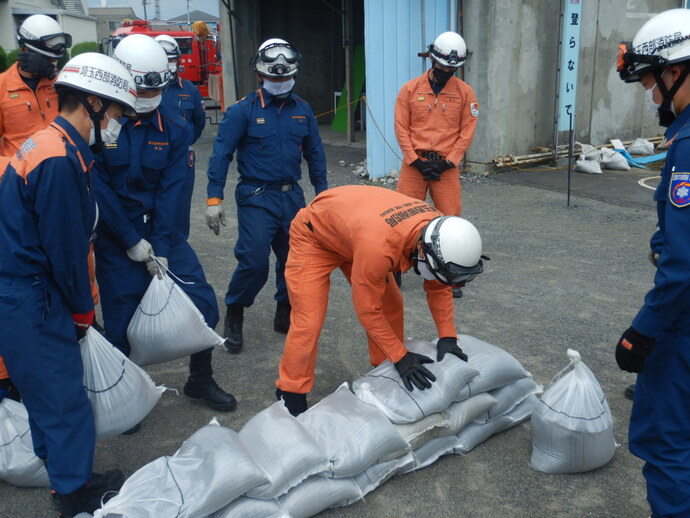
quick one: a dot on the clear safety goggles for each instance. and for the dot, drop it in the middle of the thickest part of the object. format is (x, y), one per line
(630, 64)
(55, 43)
(271, 53)
(453, 274)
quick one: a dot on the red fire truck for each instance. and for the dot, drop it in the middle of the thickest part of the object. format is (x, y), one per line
(200, 59)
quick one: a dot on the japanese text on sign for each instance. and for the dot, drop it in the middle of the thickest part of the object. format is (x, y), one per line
(572, 16)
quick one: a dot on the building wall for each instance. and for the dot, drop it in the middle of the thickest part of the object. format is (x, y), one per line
(107, 16)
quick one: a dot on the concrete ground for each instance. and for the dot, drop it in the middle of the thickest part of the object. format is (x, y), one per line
(559, 277)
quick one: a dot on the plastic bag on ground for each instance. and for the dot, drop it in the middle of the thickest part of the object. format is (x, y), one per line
(317, 494)
(211, 469)
(284, 449)
(121, 392)
(383, 388)
(572, 427)
(611, 159)
(167, 325)
(19, 465)
(496, 366)
(641, 146)
(588, 166)
(245, 507)
(353, 434)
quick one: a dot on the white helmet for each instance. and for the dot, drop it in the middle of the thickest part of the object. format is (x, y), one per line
(662, 41)
(43, 35)
(100, 75)
(453, 249)
(276, 58)
(169, 44)
(146, 61)
(448, 49)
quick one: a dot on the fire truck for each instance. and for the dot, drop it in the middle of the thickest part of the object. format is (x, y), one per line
(200, 60)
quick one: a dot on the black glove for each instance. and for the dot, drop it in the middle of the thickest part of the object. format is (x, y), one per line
(632, 350)
(295, 403)
(412, 371)
(36, 64)
(439, 166)
(426, 168)
(449, 345)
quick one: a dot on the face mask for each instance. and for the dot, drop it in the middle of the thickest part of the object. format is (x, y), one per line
(281, 90)
(147, 104)
(649, 101)
(172, 68)
(423, 270)
(110, 133)
(442, 76)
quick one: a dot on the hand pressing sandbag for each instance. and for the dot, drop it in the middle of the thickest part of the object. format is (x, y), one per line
(383, 387)
(353, 434)
(572, 427)
(19, 465)
(167, 325)
(121, 393)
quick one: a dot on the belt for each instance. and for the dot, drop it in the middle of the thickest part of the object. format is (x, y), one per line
(273, 186)
(431, 155)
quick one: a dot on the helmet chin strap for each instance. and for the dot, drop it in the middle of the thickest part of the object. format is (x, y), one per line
(96, 118)
(666, 115)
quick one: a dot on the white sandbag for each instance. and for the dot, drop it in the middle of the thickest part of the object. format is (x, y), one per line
(477, 432)
(383, 387)
(611, 159)
(496, 366)
(211, 469)
(121, 392)
(422, 431)
(509, 396)
(167, 325)
(589, 152)
(431, 451)
(245, 507)
(641, 146)
(588, 166)
(19, 465)
(353, 434)
(284, 449)
(572, 427)
(379, 473)
(317, 494)
(461, 413)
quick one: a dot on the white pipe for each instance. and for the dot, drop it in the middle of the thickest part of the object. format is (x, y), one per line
(453, 9)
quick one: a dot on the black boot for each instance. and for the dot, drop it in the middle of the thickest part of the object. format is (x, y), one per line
(630, 392)
(89, 497)
(457, 293)
(234, 317)
(11, 389)
(201, 385)
(281, 322)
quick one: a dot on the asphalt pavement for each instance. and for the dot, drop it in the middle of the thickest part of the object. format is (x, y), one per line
(559, 277)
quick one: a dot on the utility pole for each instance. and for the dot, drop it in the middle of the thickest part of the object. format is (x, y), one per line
(145, 3)
(158, 9)
(189, 25)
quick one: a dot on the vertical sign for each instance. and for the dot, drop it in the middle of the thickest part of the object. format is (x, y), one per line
(570, 53)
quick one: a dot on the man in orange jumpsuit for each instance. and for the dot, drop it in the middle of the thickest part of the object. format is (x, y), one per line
(435, 117)
(370, 232)
(28, 103)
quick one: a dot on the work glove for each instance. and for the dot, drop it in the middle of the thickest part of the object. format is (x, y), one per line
(215, 215)
(653, 257)
(295, 403)
(428, 171)
(412, 371)
(439, 166)
(632, 350)
(82, 321)
(36, 64)
(449, 345)
(157, 266)
(141, 252)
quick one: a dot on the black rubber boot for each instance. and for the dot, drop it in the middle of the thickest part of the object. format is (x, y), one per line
(281, 321)
(629, 392)
(234, 317)
(201, 385)
(11, 389)
(457, 293)
(90, 496)
(398, 278)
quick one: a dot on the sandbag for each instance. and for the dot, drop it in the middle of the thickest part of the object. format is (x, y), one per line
(383, 387)
(572, 427)
(317, 494)
(641, 146)
(509, 396)
(19, 465)
(211, 469)
(611, 159)
(588, 166)
(353, 434)
(419, 432)
(167, 325)
(284, 449)
(461, 413)
(245, 507)
(589, 152)
(121, 393)
(496, 366)
(379, 473)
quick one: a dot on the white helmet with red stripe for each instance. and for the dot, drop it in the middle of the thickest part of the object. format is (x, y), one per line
(145, 59)
(43, 35)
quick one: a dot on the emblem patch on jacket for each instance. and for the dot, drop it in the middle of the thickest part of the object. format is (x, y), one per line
(474, 109)
(679, 190)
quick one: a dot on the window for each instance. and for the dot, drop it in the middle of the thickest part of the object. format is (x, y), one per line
(113, 25)
(185, 45)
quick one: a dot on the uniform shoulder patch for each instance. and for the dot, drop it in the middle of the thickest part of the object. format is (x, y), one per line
(474, 109)
(679, 189)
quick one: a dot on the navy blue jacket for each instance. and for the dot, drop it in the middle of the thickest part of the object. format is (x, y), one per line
(183, 97)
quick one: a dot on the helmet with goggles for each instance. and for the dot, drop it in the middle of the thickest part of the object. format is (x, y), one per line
(170, 45)
(662, 41)
(276, 58)
(453, 250)
(448, 49)
(145, 59)
(43, 35)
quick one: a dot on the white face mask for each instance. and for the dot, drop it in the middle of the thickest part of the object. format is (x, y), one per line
(109, 134)
(424, 269)
(279, 88)
(147, 104)
(649, 101)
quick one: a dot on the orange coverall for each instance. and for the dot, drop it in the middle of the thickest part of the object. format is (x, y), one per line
(444, 124)
(367, 232)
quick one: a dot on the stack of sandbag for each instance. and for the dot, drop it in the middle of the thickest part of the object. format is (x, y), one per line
(167, 325)
(641, 146)
(589, 159)
(572, 427)
(19, 465)
(121, 393)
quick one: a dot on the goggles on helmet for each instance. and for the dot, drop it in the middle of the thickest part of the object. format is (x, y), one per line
(629, 61)
(451, 58)
(151, 80)
(55, 43)
(272, 52)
